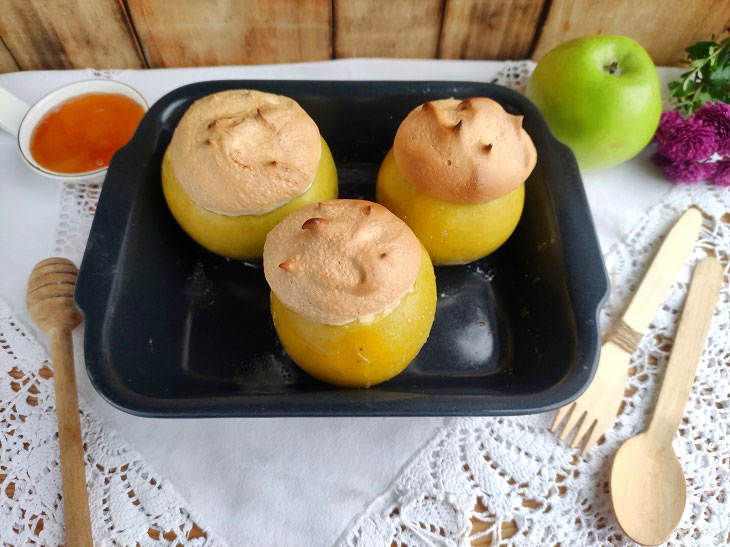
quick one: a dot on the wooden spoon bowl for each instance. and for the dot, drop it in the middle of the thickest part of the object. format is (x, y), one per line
(649, 491)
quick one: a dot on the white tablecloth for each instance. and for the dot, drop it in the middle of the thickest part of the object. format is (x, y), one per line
(269, 481)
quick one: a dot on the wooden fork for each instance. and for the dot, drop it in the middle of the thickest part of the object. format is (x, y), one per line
(594, 411)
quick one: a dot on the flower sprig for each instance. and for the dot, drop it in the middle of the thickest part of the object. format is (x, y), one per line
(708, 78)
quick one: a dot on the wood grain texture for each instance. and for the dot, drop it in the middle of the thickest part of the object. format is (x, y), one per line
(663, 271)
(7, 63)
(387, 28)
(67, 34)
(647, 484)
(489, 29)
(222, 32)
(73, 476)
(689, 344)
(663, 28)
(50, 304)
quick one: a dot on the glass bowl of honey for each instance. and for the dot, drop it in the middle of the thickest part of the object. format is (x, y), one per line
(73, 132)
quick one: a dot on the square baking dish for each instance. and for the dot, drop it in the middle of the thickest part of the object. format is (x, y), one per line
(172, 330)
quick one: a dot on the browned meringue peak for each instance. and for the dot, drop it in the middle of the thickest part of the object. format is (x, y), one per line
(341, 260)
(243, 151)
(464, 151)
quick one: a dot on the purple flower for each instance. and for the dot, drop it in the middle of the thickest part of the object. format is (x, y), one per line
(679, 139)
(670, 117)
(722, 173)
(717, 116)
(684, 171)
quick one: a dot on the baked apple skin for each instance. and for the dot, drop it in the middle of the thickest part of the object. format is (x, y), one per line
(241, 237)
(453, 233)
(361, 353)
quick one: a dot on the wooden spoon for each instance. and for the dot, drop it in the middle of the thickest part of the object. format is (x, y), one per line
(648, 491)
(50, 300)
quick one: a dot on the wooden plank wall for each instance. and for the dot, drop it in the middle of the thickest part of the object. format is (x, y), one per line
(50, 34)
(475, 29)
(387, 29)
(225, 32)
(663, 27)
(68, 34)
(7, 63)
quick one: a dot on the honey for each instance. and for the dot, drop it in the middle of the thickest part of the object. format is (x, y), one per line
(82, 134)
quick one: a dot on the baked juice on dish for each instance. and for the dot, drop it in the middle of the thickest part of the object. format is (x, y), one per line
(240, 161)
(456, 176)
(353, 293)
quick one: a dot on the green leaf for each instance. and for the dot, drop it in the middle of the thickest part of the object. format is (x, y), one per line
(702, 97)
(723, 57)
(704, 73)
(722, 73)
(700, 49)
(709, 78)
(714, 61)
(688, 86)
(719, 87)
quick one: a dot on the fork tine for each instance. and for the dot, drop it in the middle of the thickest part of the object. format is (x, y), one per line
(559, 415)
(585, 429)
(574, 420)
(598, 429)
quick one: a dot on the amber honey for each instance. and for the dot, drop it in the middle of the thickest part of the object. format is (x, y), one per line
(82, 134)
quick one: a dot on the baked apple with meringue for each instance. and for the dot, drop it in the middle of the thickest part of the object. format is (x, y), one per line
(353, 292)
(456, 174)
(239, 161)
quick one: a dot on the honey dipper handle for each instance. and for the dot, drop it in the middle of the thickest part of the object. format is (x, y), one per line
(73, 476)
(689, 342)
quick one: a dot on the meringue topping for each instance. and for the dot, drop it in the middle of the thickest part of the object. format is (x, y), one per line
(242, 151)
(464, 151)
(341, 260)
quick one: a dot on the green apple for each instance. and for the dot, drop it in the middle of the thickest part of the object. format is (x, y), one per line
(600, 96)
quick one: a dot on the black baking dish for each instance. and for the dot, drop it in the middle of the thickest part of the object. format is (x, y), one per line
(172, 330)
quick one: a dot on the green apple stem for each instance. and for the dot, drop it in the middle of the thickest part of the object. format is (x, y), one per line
(612, 68)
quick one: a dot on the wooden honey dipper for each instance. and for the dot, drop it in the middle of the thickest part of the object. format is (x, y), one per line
(50, 300)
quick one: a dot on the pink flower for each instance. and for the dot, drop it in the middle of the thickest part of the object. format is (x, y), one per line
(684, 171)
(679, 139)
(721, 177)
(717, 116)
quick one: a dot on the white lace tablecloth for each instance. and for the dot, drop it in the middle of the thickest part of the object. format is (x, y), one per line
(361, 482)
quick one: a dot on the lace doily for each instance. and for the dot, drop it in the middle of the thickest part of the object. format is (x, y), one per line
(76, 208)
(514, 75)
(511, 482)
(130, 505)
(106, 74)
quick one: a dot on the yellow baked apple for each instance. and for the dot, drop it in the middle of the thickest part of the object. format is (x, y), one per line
(241, 236)
(239, 161)
(453, 233)
(353, 292)
(456, 174)
(361, 353)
